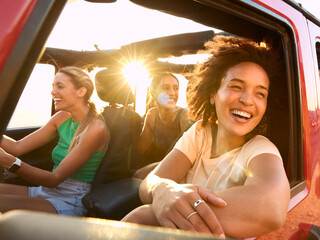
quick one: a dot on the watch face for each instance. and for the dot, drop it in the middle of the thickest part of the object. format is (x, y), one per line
(13, 168)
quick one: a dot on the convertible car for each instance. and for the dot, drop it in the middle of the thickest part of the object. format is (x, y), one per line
(28, 64)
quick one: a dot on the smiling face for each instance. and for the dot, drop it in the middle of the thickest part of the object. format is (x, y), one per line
(64, 93)
(241, 100)
(167, 92)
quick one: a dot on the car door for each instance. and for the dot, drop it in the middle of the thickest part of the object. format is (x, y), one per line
(24, 28)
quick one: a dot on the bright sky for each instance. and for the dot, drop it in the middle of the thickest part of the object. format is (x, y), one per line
(83, 24)
(313, 6)
(111, 25)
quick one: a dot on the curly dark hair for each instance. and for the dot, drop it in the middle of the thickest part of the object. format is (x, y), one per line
(226, 52)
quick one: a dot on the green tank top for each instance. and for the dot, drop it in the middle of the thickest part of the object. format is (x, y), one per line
(66, 131)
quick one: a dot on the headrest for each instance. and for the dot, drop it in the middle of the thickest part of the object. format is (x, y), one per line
(112, 87)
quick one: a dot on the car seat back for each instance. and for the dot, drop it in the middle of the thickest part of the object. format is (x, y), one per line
(124, 125)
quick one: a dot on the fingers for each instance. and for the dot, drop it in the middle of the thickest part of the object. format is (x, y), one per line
(205, 212)
(177, 221)
(202, 221)
(198, 223)
(187, 208)
(210, 197)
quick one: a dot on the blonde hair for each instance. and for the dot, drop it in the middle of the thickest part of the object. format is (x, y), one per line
(79, 79)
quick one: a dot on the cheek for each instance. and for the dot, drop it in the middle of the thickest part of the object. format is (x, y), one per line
(262, 107)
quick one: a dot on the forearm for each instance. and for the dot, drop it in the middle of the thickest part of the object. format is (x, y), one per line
(251, 211)
(32, 174)
(152, 184)
(38, 176)
(10, 145)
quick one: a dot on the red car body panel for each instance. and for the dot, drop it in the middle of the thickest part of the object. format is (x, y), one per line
(304, 207)
(13, 17)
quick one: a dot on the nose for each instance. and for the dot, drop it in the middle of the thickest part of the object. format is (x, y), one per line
(171, 91)
(246, 98)
(53, 91)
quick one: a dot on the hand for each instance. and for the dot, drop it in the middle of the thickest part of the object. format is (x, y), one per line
(5, 159)
(173, 206)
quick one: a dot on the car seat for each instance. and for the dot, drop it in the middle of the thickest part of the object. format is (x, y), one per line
(113, 192)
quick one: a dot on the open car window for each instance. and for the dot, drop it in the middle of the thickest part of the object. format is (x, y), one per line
(83, 38)
(175, 52)
(34, 106)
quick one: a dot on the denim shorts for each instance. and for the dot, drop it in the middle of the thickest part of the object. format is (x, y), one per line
(66, 197)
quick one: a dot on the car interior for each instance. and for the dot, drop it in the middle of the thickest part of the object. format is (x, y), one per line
(113, 180)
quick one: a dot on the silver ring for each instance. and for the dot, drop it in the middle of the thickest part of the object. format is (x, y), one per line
(197, 203)
(191, 215)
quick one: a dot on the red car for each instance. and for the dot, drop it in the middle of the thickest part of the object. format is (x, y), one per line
(25, 25)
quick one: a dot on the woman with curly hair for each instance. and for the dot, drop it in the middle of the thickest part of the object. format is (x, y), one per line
(223, 176)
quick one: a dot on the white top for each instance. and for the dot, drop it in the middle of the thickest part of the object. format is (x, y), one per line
(225, 171)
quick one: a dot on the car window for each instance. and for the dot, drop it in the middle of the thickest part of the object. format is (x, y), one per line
(34, 106)
(74, 41)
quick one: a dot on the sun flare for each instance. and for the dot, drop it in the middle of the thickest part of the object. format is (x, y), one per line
(138, 78)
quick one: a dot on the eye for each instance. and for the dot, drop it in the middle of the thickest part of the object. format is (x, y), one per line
(165, 88)
(261, 94)
(235, 86)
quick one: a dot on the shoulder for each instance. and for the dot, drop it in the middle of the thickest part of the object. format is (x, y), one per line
(185, 121)
(259, 145)
(197, 132)
(97, 126)
(195, 140)
(151, 116)
(184, 113)
(152, 111)
(59, 117)
(259, 140)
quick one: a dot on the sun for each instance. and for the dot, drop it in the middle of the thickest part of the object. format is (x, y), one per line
(138, 78)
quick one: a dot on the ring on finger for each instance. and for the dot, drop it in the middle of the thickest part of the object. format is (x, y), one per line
(197, 203)
(189, 216)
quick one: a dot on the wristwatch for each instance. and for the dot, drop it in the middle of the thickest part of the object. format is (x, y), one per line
(15, 166)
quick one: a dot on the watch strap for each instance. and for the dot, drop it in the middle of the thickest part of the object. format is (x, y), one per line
(15, 166)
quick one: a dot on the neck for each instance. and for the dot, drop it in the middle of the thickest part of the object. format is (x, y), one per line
(79, 114)
(224, 143)
(167, 114)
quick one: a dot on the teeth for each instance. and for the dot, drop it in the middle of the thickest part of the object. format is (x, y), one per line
(57, 99)
(241, 114)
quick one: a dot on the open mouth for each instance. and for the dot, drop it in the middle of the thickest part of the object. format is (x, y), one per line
(241, 114)
(57, 100)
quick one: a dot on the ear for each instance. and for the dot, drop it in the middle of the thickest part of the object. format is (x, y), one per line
(212, 98)
(82, 91)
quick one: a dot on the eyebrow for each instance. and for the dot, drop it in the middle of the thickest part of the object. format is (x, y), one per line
(241, 81)
(56, 83)
(168, 85)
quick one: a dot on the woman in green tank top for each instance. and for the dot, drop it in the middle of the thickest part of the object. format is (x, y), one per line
(83, 140)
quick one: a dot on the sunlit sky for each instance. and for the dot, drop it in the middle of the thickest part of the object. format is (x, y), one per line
(313, 6)
(112, 25)
(83, 24)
